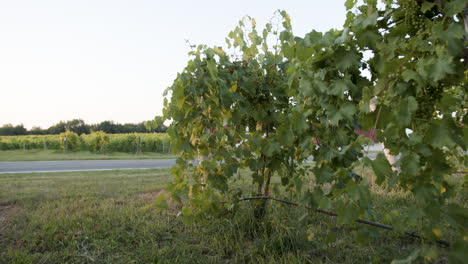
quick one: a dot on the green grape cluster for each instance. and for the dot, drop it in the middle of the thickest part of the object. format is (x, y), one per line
(413, 19)
(425, 107)
(427, 102)
(435, 93)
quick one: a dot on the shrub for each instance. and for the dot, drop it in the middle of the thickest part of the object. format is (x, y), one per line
(99, 142)
(69, 141)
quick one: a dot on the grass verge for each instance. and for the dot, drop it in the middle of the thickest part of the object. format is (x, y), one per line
(43, 155)
(99, 217)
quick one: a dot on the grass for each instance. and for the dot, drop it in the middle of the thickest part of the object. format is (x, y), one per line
(37, 155)
(99, 217)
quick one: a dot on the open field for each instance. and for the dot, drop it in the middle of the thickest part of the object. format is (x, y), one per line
(100, 217)
(37, 154)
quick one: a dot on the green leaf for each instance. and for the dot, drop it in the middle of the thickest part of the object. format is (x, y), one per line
(409, 75)
(339, 87)
(305, 87)
(382, 168)
(323, 174)
(325, 203)
(459, 252)
(347, 212)
(406, 109)
(211, 65)
(344, 112)
(458, 216)
(440, 68)
(410, 163)
(346, 59)
(455, 7)
(425, 192)
(187, 216)
(368, 38)
(350, 4)
(427, 6)
(353, 190)
(414, 139)
(285, 136)
(438, 135)
(453, 35)
(299, 122)
(303, 52)
(219, 182)
(270, 148)
(370, 20)
(298, 183)
(312, 38)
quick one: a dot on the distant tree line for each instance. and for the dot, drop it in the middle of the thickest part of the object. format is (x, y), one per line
(80, 127)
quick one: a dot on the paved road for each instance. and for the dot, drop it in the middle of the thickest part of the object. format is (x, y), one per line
(89, 165)
(95, 165)
(82, 165)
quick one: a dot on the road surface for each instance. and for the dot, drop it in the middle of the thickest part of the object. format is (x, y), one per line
(96, 165)
(82, 165)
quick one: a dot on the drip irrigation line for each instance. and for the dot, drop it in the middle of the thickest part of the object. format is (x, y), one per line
(359, 220)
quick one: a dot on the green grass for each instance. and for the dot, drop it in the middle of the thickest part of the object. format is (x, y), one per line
(36, 155)
(100, 217)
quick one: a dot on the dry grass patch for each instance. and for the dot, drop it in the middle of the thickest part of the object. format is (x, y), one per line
(6, 211)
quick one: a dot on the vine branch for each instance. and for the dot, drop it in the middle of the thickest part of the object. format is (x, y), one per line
(359, 220)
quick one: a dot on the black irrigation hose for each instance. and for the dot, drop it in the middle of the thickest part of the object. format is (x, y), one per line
(363, 221)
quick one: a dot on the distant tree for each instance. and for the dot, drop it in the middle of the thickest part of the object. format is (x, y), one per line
(36, 130)
(6, 130)
(106, 126)
(58, 128)
(78, 126)
(141, 128)
(10, 130)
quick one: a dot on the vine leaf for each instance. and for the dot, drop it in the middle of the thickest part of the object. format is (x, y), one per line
(344, 112)
(381, 167)
(350, 4)
(346, 59)
(440, 68)
(323, 174)
(410, 163)
(439, 135)
(406, 109)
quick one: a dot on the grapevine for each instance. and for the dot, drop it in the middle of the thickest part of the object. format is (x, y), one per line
(270, 107)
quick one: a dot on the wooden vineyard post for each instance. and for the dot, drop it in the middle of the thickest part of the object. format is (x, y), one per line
(65, 147)
(138, 150)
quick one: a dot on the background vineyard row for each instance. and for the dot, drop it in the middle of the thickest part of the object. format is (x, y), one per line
(154, 142)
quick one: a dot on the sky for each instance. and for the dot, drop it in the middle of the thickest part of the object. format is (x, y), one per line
(112, 60)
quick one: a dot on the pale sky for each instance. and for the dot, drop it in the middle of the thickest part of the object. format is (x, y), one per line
(112, 60)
